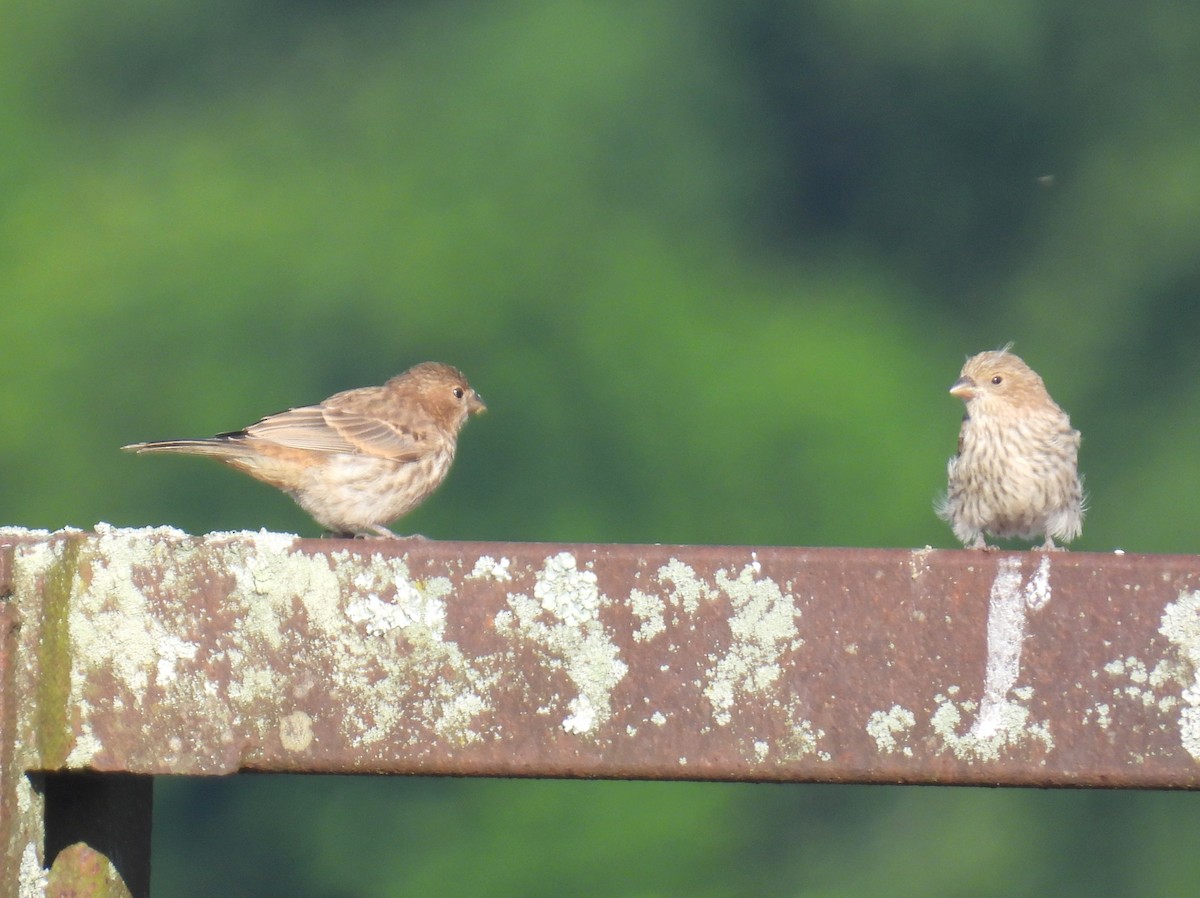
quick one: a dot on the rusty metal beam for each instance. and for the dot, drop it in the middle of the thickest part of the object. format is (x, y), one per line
(151, 651)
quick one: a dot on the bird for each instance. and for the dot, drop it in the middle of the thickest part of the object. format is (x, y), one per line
(361, 458)
(1016, 472)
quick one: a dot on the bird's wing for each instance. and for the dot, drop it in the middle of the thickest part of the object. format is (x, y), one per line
(322, 429)
(378, 436)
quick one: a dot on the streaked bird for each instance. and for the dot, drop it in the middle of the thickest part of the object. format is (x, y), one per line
(359, 459)
(1015, 474)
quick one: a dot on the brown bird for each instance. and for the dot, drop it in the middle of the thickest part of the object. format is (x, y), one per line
(359, 459)
(1015, 473)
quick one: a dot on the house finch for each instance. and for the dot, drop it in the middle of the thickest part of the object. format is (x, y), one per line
(1015, 471)
(359, 459)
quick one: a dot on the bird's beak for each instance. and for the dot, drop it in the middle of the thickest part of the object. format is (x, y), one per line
(476, 405)
(963, 388)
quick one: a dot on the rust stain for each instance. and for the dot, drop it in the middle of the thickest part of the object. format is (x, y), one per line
(226, 652)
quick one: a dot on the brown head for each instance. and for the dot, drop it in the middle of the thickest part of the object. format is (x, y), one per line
(998, 378)
(441, 390)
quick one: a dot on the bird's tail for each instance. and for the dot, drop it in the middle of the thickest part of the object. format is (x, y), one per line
(222, 446)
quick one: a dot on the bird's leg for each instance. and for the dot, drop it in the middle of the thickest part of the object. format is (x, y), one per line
(980, 544)
(1048, 546)
(382, 532)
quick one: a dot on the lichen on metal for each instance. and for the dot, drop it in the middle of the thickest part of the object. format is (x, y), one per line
(32, 878)
(563, 621)
(762, 624)
(153, 651)
(889, 727)
(1181, 626)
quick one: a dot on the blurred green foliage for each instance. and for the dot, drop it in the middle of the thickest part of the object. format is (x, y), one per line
(712, 265)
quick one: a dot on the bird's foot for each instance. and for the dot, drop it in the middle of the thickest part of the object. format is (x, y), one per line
(382, 532)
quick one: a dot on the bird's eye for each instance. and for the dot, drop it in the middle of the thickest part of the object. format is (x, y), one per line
(997, 380)
(458, 392)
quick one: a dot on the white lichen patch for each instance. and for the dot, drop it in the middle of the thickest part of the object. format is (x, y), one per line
(265, 540)
(886, 726)
(1181, 625)
(762, 627)
(649, 610)
(270, 581)
(163, 532)
(488, 568)
(379, 616)
(1004, 725)
(1144, 686)
(408, 604)
(803, 740)
(296, 731)
(455, 712)
(563, 620)
(688, 590)
(1172, 685)
(9, 532)
(582, 717)
(32, 880)
(28, 799)
(1100, 714)
(456, 689)
(171, 651)
(568, 593)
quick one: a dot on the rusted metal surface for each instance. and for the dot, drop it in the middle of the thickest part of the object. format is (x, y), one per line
(80, 871)
(259, 651)
(20, 807)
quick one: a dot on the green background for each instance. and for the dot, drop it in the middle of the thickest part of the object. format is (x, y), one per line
(713, 267)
